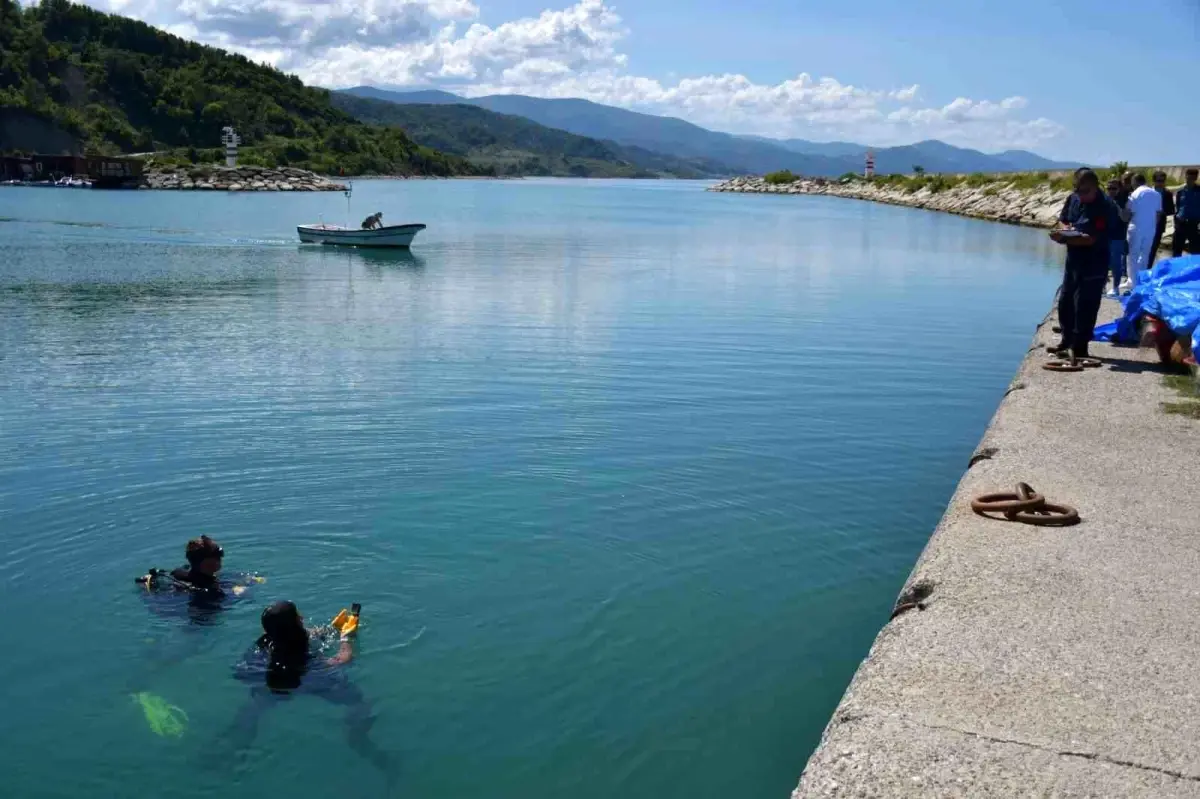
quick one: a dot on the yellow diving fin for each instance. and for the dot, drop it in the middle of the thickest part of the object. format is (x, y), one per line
(164, 718)
(346, 622)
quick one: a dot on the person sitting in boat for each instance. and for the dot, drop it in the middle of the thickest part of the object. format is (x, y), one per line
(373, 221)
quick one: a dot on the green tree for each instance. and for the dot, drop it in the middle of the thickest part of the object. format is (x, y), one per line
(120, 85)
(781, 177)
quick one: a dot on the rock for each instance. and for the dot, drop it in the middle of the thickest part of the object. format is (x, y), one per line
(1037, 207)
(244, 178)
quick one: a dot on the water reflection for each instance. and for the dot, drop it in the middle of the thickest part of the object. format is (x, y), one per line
(367, 256)
(85, 299)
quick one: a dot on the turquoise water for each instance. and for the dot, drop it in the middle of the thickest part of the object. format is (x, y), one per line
(625, 474)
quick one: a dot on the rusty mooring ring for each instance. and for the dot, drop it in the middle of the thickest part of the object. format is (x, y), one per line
(1026, 506)
(1007, 502)
(1048, 515)
(1062, 366)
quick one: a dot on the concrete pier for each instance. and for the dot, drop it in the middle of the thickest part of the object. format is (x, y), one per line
(1049, 662)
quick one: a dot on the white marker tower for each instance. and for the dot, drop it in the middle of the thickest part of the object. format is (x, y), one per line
(231, 141)
(869, 171)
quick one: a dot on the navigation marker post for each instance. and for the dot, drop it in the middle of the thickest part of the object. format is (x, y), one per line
(231, 140)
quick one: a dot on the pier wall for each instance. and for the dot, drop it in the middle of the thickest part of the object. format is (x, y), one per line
(1045, 661)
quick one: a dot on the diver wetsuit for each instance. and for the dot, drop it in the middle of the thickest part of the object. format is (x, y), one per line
(188, 596)
(206, 594)
(310, 672)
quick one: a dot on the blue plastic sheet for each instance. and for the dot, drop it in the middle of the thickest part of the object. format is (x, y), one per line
(1172, 293)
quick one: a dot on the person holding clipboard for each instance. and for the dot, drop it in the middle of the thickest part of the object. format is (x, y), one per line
(1085, 228)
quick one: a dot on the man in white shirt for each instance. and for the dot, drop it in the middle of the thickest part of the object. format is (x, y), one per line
(1144, 206)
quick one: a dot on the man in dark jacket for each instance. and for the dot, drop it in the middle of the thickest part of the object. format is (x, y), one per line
(1087, 228)
(1168, 210)
(1187, 216)
(1117, 247)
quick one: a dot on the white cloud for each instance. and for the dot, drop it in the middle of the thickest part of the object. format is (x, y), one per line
(295, 27)
(977, 120)
(568, 52)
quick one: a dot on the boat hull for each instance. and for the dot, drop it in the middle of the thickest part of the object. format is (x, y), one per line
(389, 236)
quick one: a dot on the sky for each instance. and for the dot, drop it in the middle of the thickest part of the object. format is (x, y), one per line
(1091, 80)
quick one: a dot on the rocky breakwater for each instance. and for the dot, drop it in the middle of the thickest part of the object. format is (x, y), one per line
(241, 178)
(1038, 207)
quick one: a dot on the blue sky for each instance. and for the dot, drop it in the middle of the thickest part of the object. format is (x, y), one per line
(1066, 78)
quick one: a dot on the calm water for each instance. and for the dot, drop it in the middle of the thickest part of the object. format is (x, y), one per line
(626, 474)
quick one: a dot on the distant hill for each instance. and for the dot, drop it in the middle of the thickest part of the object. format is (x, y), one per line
(741, 153)
(932, 155)
(513, 145)
(420, 97)
(72, 78)
(1025, 160)
(658, 134)
(831, 149)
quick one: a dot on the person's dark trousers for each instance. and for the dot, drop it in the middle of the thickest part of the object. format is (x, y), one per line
(1078, 307)
(1158, 234)
(1187, 233)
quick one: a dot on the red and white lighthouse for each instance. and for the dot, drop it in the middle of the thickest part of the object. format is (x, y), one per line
(869, 171)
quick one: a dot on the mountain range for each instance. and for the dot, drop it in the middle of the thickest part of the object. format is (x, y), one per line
(73, 79)
(513, 145)
(724, 152)
(933, 155)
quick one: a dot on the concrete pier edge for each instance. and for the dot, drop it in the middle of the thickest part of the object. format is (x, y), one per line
(1044, 661)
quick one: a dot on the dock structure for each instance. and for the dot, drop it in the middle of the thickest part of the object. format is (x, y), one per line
(104, 171)
(1045, 661)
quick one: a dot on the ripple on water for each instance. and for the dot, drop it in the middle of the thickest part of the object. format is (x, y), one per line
(624, 476)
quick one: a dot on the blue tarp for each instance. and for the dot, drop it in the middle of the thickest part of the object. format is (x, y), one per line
(1170, 291)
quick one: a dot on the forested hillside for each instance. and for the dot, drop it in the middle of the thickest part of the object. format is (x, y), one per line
(513, 145)
(117, 85)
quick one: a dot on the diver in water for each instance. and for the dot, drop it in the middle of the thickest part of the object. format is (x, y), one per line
(287, 660)
(200, 580)
(194, 594)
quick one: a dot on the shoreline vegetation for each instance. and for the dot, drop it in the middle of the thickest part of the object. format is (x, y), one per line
(80, 81)
(73, 79)
(1032, 199)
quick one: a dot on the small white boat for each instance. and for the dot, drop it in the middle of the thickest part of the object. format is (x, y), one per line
(387, 236)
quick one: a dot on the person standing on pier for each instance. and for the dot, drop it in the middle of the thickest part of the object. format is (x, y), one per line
(1145, 204)
(1087, 230)
(1187, 216)
(1118, 248)
(1168, 209)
